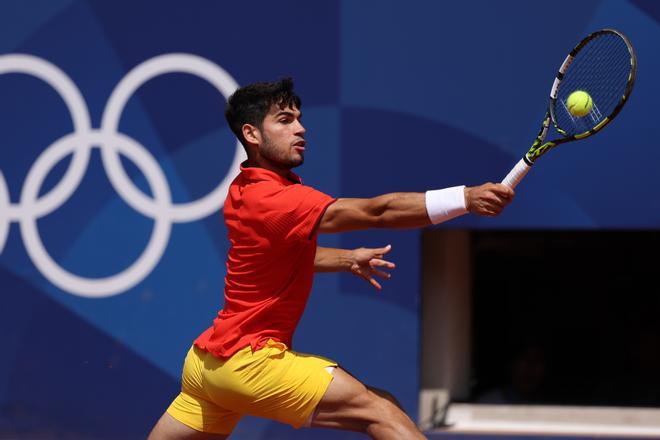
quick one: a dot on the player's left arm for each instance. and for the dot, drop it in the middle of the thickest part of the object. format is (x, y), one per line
(363, 262)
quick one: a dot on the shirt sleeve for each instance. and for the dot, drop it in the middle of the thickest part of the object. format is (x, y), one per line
(291, 212)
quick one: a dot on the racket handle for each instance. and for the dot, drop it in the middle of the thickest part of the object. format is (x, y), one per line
(516, 174)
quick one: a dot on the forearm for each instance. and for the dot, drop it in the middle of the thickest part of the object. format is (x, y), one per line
(398, 210)
(394, 210)
(332, 260)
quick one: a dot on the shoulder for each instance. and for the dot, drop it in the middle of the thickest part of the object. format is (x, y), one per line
(265, 193)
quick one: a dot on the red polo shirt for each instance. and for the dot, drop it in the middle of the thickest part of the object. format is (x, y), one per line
(271, 223)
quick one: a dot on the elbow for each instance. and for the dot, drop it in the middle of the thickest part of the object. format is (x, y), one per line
(379, 221)
(377, 216)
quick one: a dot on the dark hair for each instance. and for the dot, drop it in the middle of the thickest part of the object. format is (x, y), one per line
(250, 104)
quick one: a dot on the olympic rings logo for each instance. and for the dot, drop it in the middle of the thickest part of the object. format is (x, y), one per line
(111, 143)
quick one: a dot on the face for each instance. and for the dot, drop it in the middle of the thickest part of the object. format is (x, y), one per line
(283, 138)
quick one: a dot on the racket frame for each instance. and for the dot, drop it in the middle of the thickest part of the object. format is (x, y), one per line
(539, 147)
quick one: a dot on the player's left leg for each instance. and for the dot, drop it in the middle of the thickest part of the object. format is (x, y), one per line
(348, 404)
(281, 385)
(385, 395)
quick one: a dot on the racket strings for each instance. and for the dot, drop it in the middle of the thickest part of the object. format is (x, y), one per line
(602, 69)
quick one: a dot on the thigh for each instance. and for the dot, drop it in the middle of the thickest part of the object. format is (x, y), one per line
(347, 404)
(168, 428)
(273, 382)
(193, 408)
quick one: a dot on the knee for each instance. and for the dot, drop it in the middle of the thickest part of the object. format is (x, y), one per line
(386, 395)
(392, 421)
(386, 407)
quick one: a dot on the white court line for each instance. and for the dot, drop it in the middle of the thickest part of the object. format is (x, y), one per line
(544, 420)
(493, 427)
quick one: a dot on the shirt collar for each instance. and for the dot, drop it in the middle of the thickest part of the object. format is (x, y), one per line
(257, 174)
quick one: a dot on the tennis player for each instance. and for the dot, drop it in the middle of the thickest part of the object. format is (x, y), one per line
(243, 364)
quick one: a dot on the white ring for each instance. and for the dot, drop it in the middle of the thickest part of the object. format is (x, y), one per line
(98, 287)
(80, 143)
(179, 62)
(4, 211)
(65, 87)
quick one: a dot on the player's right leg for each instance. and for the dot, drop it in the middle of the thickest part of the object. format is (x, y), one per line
(169, 428)
(348, 404)
(193, 415)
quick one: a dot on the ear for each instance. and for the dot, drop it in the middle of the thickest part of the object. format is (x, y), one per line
(251, 134)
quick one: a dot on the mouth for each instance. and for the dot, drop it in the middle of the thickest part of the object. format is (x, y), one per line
(300, 145)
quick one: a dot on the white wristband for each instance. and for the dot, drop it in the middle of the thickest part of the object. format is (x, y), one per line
(445, 204)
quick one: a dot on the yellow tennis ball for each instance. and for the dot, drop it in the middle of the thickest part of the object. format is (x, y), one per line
(579, 103)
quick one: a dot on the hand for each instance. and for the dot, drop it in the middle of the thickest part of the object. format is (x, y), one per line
(488, 199)
(366, 261)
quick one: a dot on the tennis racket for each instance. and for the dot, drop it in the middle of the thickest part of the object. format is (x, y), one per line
(603, 65)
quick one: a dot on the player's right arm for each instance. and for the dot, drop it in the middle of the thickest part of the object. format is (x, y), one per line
(414, 210)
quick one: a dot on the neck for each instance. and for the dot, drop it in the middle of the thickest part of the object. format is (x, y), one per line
(262, 162)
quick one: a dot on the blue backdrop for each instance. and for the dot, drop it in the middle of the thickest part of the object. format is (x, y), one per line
(107, 276)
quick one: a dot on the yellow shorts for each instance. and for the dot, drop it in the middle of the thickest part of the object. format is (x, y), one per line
(273, 382)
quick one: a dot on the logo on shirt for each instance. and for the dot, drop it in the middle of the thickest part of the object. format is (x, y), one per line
(111, 144)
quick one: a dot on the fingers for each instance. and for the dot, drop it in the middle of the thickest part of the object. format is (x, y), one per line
(381, 274)
(503, 191)
(371, 281)
(367, 273)
(377, 262)
(381, 263)
(490, 199)
(497, 191)
(368, 264)
(499, 201)
(375, 283)
(378, 253)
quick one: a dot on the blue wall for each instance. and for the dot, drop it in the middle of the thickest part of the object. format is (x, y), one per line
(397, 96)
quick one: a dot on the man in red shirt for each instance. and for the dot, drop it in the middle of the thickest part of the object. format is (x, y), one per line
(243, 364)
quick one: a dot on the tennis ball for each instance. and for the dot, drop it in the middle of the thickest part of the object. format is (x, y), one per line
(579, 103)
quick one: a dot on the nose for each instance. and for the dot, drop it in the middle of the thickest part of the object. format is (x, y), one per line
(300, 129)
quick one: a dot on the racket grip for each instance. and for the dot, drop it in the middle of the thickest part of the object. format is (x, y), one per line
(516, 174)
